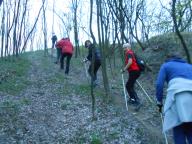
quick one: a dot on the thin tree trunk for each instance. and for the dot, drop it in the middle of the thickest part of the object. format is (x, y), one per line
(29, 34)
(3, 31)
(22, 24)
(178, 32)
(1, 2)
(15, 47)
(101, 45)
(45, 30)
(75, 6)
(93, 57)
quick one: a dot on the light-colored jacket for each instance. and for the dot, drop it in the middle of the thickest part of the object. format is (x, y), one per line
(178, 103)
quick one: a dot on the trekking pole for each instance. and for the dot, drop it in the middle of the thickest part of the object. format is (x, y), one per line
(145, 92)
(166, 141)
(124, 90)
(85, 67)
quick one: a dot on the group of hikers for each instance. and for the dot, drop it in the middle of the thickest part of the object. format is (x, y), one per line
(175, 71)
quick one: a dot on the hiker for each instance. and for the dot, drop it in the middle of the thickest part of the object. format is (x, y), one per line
(177, 108)
(134, 73)
(54, 40)
(58, 48)
(94, 60)
(66, 51)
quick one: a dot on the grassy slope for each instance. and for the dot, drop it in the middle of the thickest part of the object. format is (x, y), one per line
(13, 73)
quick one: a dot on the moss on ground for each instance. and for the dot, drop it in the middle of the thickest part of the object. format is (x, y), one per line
(13, 74)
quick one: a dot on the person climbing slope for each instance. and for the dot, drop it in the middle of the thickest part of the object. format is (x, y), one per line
(178, 104)
(66, 51)
(95, 60)
(134, 73)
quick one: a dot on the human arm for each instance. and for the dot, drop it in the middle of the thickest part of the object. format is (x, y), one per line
(130, 61)
(59, 44)
(160, 84)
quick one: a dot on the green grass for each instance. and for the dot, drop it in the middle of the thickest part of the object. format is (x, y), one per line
(13, 75)
(95, 139)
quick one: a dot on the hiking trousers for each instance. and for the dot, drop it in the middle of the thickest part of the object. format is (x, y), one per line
(133, 76)
(58, 54)
(96, 64)
(183, 133)
(68, 55)
(53, 44)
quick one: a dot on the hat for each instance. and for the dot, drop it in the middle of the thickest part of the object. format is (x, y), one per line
(126, 45)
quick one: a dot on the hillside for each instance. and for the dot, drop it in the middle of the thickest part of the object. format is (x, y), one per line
(40, 104)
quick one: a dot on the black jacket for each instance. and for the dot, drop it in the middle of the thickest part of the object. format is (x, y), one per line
(97, 53)
(54, 38)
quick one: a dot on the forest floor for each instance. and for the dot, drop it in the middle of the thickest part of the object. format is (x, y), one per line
(55, 108)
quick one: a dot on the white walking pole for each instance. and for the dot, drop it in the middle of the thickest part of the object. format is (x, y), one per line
(86, 73)
(124, 90)
(145, 92)
(166, 141)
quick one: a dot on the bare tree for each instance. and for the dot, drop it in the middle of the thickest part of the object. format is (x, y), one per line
(15, 47)
(3, 30)
(44, 28)
(9, 26)
(34, 25)
(93, 58)
(176, 26)
(1, 2)
(75, 4)
(102, 40)
(22, 25)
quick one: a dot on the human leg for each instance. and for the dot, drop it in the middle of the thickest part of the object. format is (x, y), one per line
(188, 131)
(62, 61)
(96, 68)
(58, 55)
(178, 135)
(68, 63)
(133, 75)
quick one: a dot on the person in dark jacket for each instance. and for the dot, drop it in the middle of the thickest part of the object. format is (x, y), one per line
(66, 51)
(95, 60)
(54, 40)
(134, 73)
(178, 103)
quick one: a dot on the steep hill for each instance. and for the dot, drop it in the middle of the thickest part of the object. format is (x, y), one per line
(47, 106)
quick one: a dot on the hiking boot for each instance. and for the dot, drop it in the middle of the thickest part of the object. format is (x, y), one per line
(132, 101)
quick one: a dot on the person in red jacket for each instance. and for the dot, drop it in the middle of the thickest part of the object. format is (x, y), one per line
(134, 73)
(66, 51)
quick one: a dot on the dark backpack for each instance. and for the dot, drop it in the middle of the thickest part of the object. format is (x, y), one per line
(140, 63)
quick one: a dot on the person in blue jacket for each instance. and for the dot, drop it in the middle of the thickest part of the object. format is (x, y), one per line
(94, 56)
(178, 103)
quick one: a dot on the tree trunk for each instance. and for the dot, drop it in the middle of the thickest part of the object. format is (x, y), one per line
(93, 57)
(2, 31)
(77, 51)
(1, 2)
(45, 30)
(101, 45)
(30, 32)
(178, 32)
